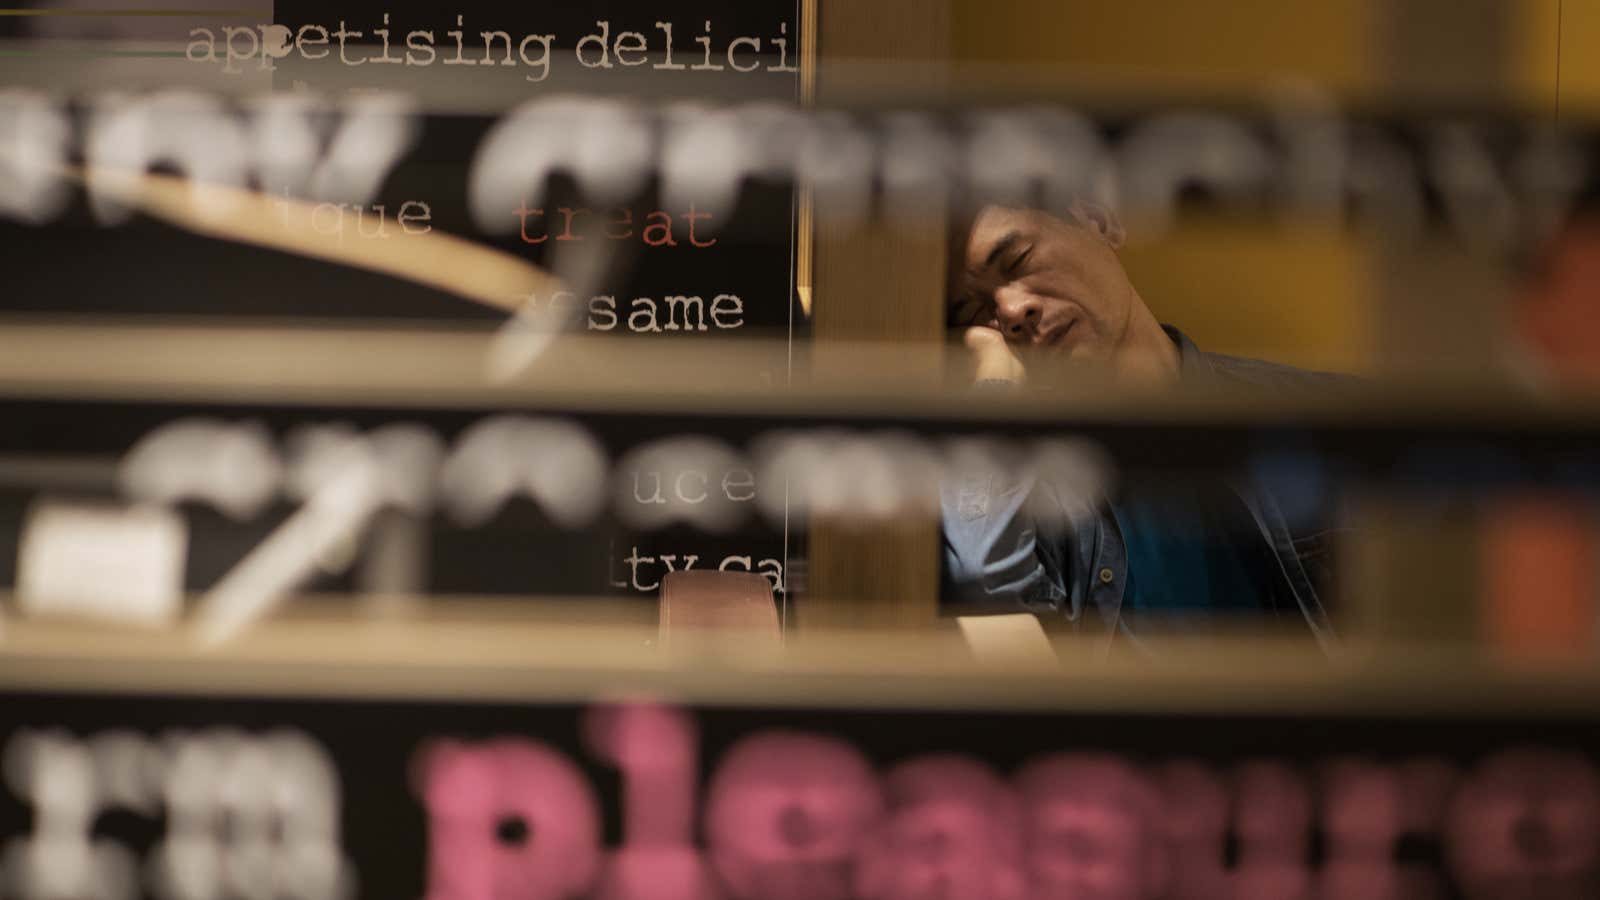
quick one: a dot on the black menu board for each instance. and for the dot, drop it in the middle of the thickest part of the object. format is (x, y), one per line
(382, 118)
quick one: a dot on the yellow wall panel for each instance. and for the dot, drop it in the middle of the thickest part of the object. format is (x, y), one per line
(1218, 45)
(1532, 76)
(1303, 296)
(1580, 59)
(1300, 296)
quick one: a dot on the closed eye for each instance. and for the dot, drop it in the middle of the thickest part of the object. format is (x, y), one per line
(1013, 267)
(960, 312)
(970, 312)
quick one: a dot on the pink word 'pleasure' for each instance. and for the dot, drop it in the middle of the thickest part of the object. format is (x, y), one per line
(798, 816)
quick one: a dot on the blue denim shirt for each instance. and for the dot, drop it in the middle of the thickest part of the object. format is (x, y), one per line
(1000, 556)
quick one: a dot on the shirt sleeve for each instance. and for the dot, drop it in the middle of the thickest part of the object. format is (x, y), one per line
(991, 544)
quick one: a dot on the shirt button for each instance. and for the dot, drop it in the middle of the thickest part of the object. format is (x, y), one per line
(1107, 576)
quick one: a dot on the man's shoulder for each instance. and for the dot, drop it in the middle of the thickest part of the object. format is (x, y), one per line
(1260, 373)
(1198, 365)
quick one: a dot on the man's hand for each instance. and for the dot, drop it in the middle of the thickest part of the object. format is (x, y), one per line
(992, 356)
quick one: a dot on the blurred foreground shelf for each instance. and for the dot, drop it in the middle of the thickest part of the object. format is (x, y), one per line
(498, 651)
(115, 361)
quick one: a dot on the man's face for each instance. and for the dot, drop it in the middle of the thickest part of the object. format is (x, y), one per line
(1043, 283)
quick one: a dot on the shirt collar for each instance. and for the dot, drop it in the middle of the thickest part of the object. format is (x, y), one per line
(1192, 364)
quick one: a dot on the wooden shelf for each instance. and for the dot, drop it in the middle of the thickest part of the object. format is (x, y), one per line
(525, 652)
(422, 369)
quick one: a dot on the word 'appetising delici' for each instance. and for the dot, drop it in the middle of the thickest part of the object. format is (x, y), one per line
(598, 49)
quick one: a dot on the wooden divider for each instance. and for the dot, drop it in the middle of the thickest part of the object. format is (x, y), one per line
(1441, 310)
(879, 281)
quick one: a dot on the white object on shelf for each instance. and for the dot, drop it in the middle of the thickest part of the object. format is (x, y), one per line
(102, 561)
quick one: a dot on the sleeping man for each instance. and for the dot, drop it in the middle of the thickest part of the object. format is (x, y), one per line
(1028, 285)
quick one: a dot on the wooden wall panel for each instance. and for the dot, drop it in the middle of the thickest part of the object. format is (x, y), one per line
(877, 282)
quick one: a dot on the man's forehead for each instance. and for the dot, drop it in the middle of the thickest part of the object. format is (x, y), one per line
(991, 234)
(977, 240)
(990, 226)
